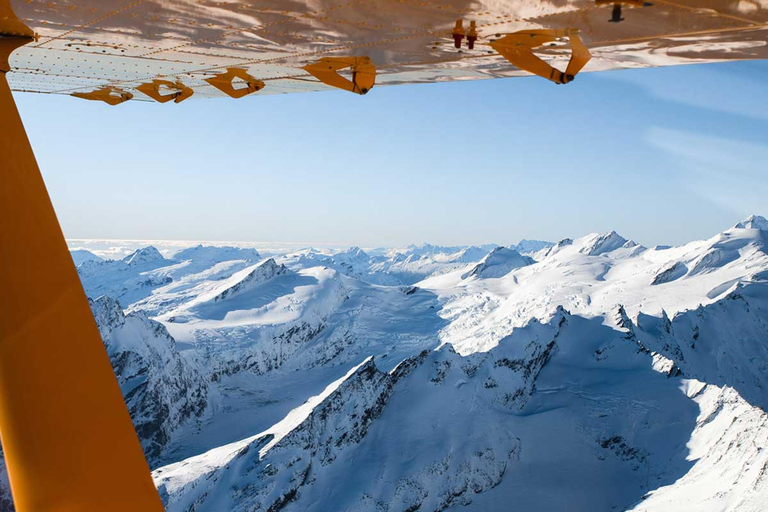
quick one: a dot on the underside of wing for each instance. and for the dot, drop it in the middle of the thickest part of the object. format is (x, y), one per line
(171, 50)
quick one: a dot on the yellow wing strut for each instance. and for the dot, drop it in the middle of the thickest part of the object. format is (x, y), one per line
(67, 437)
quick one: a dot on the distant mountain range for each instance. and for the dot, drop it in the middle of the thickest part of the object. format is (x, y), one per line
(590, 374)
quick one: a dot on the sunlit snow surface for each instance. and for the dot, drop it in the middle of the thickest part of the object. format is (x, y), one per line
(591, 374)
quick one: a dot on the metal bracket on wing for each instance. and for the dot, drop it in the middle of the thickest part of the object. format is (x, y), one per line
(152, 89)
(518, 47)
(108, 95)
(224, 83)
(363, 73)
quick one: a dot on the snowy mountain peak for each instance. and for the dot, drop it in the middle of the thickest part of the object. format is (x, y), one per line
(601, 244)
(753, 222)
(499, 262)
(357, 251)
(81, 255)
(144, 255)
(353, 253)
(254, 276)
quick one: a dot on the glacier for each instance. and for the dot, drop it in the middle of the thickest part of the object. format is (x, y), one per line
(589, 374)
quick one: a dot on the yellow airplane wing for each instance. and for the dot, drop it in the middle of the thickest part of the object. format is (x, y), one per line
(162, 50)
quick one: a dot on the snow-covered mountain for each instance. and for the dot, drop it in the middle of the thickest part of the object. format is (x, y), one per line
(531, 247)
(146, 257)
(163, 391)
(499, 262)
(210, 254)
(591, 374)
(569, 414)
(390, 267)
(81, 255)
(753, 222)
(129, 279)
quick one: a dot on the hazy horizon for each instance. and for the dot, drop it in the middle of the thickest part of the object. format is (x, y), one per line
(662, 156)
(118, 248)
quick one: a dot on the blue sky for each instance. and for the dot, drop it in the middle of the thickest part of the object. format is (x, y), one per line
(662, 155)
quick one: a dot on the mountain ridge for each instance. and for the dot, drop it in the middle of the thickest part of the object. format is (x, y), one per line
(594, 373)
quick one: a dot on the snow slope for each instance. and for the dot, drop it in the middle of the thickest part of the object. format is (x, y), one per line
(593, 274)
(569, 414)
(627, 402)
(592, 374)
(390, 267)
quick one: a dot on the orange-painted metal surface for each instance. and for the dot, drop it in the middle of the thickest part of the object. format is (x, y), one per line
(108, 95)
(518, 48)
(225, 83)
(327, 71)
(164, 91)
(68, 440)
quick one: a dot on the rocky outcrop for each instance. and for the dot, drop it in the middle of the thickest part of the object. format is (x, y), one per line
(671, 272)
(6, 501)
(275, 465)
(162, 391)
